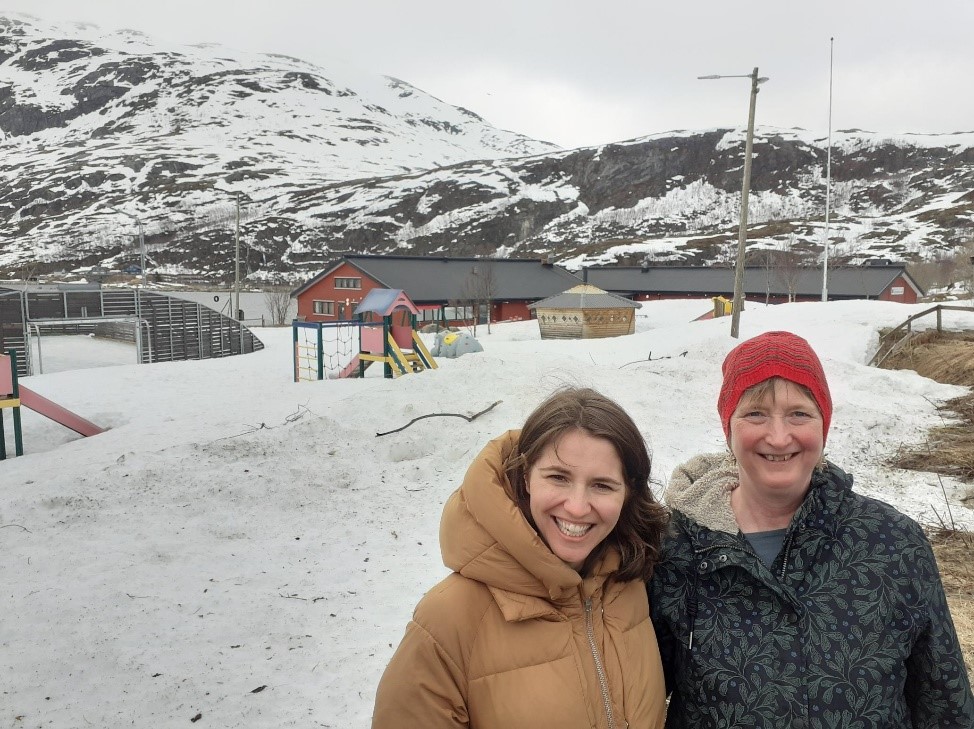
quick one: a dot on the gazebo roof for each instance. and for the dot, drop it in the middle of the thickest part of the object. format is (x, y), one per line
(585, 296)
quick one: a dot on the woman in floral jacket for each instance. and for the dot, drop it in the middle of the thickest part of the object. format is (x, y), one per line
(784, 599)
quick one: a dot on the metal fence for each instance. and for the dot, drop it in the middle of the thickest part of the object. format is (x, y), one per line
(163, 328)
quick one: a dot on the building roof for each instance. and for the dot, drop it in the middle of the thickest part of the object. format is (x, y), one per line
(453, 279)
(585, 296)
(844, 282)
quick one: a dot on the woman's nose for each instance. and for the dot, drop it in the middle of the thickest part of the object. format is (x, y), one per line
(577, 502)
(777, 431)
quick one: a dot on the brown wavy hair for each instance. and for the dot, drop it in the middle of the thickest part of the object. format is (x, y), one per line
(643, 520)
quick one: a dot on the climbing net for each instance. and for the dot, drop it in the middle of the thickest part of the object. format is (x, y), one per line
(324, 350)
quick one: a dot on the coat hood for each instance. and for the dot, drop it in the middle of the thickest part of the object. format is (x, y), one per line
(485, 537)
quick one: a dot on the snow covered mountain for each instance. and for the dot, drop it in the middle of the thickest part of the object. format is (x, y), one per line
(90, 120)
(101, 133)
(672, 197)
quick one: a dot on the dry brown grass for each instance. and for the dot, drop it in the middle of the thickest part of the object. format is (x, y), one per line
(948, 358)
(949, 448)
(954, 551)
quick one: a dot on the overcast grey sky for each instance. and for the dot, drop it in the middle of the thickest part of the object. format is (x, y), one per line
(585, 73)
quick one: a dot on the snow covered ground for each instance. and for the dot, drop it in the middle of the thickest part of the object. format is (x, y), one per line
(243, 549)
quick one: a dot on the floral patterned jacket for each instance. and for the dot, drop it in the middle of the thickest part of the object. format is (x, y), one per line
(848, 628)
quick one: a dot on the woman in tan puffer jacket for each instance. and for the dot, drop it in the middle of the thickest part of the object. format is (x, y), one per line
(545, 621)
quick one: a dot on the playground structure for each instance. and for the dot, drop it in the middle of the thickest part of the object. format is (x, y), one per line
(384, 331)
(324, 350)
(13, 396)
(721, 307)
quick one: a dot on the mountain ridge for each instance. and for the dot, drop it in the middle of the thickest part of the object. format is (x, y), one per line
(102, 132)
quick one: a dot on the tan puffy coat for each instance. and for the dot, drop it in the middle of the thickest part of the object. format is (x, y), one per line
(515, 637)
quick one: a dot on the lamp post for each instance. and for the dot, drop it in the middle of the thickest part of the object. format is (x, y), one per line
(236, 263)
(235, 293)
(745, 190)
(138, 291)
(828, 187)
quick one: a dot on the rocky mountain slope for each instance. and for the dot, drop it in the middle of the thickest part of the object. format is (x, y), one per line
(103, 133)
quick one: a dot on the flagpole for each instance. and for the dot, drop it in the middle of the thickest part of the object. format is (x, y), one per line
(828, 186)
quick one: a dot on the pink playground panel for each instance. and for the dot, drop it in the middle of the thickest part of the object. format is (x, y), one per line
(372, 339)
(6, 376)
(403, 336)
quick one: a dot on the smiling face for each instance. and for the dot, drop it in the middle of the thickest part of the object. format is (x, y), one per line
(577, 488)
(777, 438)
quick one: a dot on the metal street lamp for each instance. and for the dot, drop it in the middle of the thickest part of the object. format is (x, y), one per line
(138, 290)
(745, 190)
(236, 262)
(828, 186)
(235, 293)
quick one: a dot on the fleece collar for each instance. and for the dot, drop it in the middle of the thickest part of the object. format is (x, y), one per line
(700, 490)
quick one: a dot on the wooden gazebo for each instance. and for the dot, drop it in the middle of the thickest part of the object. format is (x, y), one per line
(585, 312)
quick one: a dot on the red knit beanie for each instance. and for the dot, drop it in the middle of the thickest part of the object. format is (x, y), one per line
(772, 354)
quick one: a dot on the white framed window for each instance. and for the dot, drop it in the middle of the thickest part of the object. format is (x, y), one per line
(348, 283)
(459, 313)
(324, 308)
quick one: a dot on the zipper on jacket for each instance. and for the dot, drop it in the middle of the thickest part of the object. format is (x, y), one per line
(692, 607)
(787, 553)
(599, 668)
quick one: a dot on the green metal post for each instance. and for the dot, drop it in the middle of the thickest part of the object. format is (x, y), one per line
(361, 318)
(18, 434)
(321, 354)
(386, 350)
(361, 362)
(294, 349)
